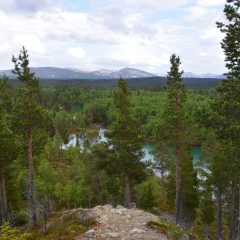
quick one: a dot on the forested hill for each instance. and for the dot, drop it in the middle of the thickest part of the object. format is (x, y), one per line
(150, 82)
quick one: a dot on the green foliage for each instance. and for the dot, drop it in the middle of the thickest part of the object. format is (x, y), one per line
(66, 124)
(151, 194)
(124, 137)
(7, 141)
(5, 95)
(45, 180)
(174, 131)
(189, 187)
(27, 112)
(174, 115)
(28, 116)
(12, 233)
(230, 42)
(125, 143)
(173, 231)
(207, 208)
(173, 119)
(62, 123)
(67, 228)
(171, 186)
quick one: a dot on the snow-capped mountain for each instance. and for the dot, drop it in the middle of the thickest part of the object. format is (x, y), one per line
(206, 75)
(190, 75)
(74, 73)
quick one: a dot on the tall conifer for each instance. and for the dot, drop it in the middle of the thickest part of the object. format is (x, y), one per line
(126, 144)
(29, 115)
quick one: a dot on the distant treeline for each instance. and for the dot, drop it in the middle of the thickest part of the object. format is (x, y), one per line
(150, 83)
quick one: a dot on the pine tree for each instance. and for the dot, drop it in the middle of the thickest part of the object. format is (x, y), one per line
(207, 210)
(162, 156)
(7, 144)
(125, 142)
(174, 122)
(219, 179)
(226, 107)
(29, 115)
(189, 187)
(218, 158)
(231, 42)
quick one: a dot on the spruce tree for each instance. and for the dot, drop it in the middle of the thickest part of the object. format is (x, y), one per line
(29, 115)
(125, 143)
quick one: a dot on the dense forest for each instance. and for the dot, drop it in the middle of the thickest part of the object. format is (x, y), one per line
(64, 147)
(152, 83)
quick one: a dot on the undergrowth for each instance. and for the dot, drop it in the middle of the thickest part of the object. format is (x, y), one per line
(173, 231)
(67, 228)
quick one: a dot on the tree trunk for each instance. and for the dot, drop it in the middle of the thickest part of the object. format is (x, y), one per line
(178, 186)
(206, 230)
(4, 200)
(32, 201)
(238, 233)
(162, 170)
(127, 192)
(89, 198)
(232, 213)
(219, 215)
(100, 201)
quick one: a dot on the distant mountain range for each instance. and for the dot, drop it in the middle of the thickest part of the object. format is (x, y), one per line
(206, 75)
(73, 73)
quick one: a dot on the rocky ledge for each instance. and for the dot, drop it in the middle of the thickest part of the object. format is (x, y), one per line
(118, 223)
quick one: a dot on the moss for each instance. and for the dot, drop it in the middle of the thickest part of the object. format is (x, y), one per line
(67, 228)
(173, 231)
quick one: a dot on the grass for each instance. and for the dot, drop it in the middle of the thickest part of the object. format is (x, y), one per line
(61, 229)
(173, 231)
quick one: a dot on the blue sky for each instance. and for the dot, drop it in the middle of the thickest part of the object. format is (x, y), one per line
(114, 34)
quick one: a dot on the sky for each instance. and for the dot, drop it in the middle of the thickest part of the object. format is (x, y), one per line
(112, 34)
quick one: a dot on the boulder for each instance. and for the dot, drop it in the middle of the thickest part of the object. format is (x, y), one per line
(102, 219)
(113, 235)
(136, 231)
(107, 207)
(120, 211)
(185, 237)
(90, 234)
(120, 207)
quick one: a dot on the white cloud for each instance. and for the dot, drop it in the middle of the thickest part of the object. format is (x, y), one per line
(211, 3)
(114, 35)
(77, 52)
(25, 5)
(32, 41)
(158, 4)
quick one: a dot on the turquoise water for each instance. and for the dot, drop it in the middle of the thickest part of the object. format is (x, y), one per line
(196, 154)
(146, 147)
(149, 147)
